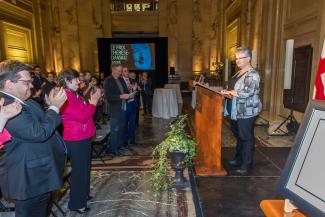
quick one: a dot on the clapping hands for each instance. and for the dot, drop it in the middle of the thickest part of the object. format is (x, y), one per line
(57, 97)
(94, 97)
(9, 111)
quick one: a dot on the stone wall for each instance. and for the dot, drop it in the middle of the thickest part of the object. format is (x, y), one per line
(199, 33)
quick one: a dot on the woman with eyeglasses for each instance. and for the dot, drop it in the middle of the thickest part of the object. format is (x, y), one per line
(243, 105)
(78, 129)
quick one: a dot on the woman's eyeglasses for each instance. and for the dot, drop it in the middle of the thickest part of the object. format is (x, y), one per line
(239, 58)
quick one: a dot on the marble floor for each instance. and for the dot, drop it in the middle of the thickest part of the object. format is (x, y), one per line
(121, 186)
(234, 195)
(129, 194)
(239, 196)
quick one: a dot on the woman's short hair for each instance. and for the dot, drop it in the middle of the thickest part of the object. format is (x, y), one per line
(245, 50)
(67, 74)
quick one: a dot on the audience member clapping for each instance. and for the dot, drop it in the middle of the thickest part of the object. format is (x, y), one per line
(78, 130)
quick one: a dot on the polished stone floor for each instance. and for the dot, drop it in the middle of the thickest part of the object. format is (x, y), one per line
(128, 194)
(120, 186)
(227, 196)
(239, 196)
(235, 195)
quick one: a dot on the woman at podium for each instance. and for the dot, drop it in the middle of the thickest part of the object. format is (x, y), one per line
(243, 105)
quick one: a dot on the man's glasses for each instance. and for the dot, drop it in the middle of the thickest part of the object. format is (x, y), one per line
(239, 58)
(26, 82)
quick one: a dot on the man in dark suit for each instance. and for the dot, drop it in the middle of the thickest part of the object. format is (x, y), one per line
(131, 107)
(117, 95)
(38, 78)
(33, 162)
(146, 92)
(38, 82)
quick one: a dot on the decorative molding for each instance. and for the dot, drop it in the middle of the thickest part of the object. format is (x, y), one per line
(197, 45)
(17, 42)
(134, 13)
(232, 36)
(214, 27)
(294, 13)
(71, 15)
(301, 21)
(26, 2)
(196, 11)
(96, 23)
(233, 9)
(129, 22)
(22, 4)
(11, 10)
(172, 9)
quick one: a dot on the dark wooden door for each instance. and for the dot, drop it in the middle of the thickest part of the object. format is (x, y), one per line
(297, 98)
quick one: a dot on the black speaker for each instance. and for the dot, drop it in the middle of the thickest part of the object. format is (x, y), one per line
(172, 70)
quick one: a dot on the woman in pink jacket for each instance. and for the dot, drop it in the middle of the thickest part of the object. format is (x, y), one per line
(78, 129)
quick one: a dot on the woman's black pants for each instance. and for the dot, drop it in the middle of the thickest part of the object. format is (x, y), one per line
(243, 130)
(79, 153)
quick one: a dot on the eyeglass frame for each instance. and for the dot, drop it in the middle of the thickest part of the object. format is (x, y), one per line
(26, 82)
(239, 58)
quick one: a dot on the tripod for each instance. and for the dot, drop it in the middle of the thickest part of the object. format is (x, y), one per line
(291, 120)
(292, 125)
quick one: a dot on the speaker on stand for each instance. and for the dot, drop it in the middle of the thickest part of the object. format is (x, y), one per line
(289, 78)
(172, 71)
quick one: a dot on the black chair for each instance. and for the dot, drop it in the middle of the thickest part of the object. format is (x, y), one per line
(6, 206)
(99, 147)
(57, 195)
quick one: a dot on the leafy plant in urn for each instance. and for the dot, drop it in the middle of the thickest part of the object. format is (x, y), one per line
(181, 148)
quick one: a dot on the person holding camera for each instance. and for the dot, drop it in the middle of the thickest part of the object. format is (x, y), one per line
(78, 129)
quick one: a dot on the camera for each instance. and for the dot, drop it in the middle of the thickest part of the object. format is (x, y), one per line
(93, 89)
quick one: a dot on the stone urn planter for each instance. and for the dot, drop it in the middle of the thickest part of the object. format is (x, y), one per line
(178, 165)
(176, 151)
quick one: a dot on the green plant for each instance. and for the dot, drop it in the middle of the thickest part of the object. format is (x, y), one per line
(176, 140)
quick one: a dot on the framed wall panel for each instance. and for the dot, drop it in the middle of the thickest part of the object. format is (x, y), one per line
(303, 178)
(17, 42)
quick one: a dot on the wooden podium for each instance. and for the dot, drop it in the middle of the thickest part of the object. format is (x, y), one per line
(275, 208)
(208, 123)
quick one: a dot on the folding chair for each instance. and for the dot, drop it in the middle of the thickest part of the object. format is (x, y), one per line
(99, 146)
(6, 206)
(57, 195)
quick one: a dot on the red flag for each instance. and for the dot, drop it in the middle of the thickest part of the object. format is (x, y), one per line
(319, 89)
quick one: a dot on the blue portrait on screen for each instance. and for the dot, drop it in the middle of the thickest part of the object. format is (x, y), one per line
(142, 56)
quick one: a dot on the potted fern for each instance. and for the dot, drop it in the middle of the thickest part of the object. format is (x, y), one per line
(181, 149)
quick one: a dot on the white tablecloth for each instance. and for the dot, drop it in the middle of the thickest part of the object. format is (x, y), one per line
(164, 104)
(178, 91)
(193, 102)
